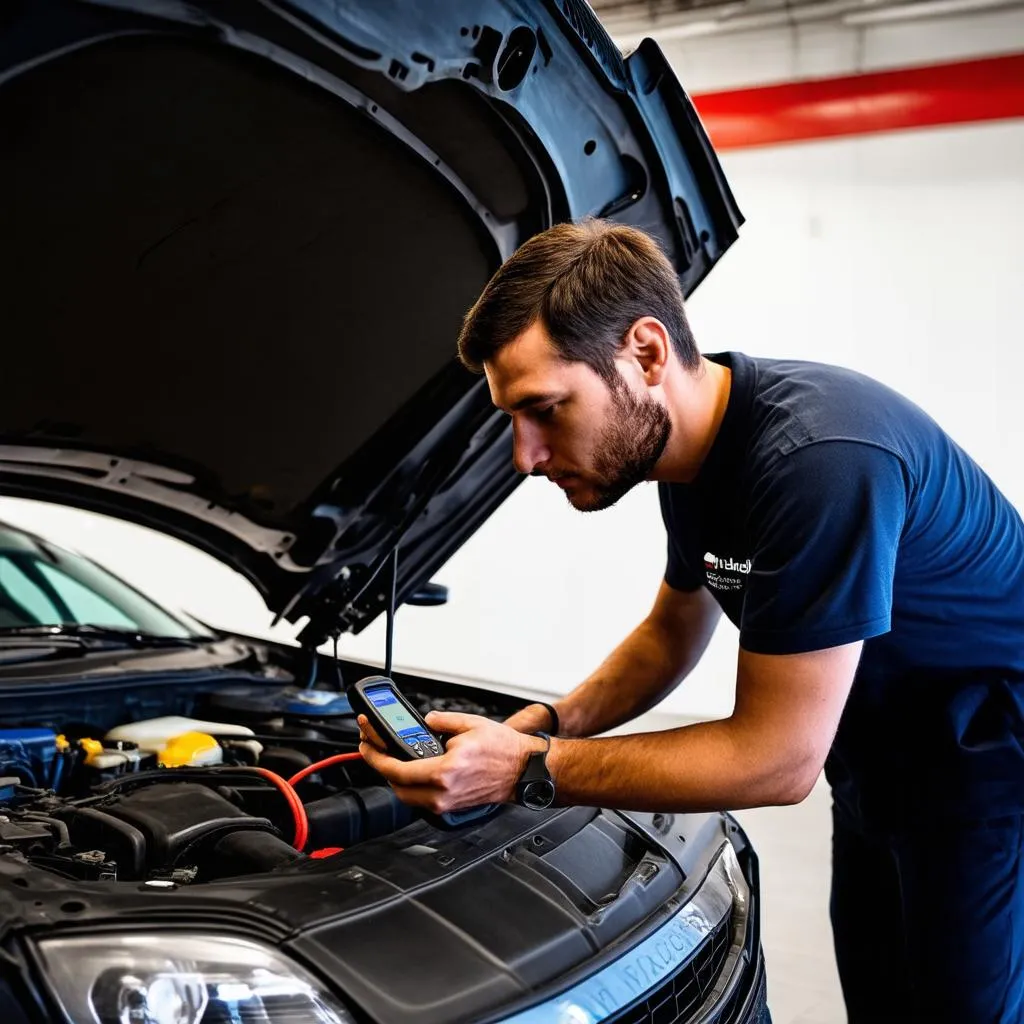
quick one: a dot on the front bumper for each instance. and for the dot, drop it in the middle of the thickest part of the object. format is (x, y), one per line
(697, 961)
(704, 965)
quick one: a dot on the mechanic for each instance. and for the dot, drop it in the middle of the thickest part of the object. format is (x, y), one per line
(875, 574)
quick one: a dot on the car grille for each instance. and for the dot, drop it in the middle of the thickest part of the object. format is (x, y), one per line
(679, 997)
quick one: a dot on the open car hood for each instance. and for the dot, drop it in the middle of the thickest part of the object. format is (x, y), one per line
(240, 238)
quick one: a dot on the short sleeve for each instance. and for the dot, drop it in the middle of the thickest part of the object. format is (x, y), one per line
(678, 574)
(825, 523)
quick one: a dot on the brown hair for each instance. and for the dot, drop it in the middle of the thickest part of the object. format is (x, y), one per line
(587, 283)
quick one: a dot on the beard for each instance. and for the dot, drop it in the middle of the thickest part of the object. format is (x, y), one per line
(630, 445)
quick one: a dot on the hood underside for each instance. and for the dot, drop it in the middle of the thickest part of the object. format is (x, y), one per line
(240, 247)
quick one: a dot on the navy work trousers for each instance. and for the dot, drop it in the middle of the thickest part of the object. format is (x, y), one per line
(929, 923)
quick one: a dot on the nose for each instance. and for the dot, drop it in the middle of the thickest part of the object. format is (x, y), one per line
(528, 448)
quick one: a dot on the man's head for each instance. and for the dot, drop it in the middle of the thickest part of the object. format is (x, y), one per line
(575, 332)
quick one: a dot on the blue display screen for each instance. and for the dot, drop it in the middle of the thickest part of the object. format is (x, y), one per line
(393, 711)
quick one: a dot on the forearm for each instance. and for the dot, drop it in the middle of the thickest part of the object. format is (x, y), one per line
(702, 767)
(645, 667)
(633, 678)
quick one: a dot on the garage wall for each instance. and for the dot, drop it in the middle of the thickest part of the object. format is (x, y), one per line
(897, 255)
(893, 255)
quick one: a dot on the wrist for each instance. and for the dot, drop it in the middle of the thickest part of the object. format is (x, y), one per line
(552, 723)
(529, 719)
(556, 750)
(534, 786)
(531, 744)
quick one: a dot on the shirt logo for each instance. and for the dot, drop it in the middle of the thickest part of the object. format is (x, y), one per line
(726, 564)
(726, 573)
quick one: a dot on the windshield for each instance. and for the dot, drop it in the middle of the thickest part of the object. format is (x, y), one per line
(43, 585)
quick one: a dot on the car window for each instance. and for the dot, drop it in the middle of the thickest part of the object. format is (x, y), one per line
(22, 602)
(85, 604)
(43, 585)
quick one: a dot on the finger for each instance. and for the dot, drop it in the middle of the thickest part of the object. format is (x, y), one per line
(367, 731)
(378, 760)
(453, 722)
(418, 796)
(400, 773)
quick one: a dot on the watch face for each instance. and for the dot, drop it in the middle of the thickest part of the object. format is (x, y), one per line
(538, 794)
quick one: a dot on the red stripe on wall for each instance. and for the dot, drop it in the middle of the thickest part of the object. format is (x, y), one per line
(975, 90)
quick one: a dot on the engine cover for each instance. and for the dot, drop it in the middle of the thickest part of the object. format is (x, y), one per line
(171, 826)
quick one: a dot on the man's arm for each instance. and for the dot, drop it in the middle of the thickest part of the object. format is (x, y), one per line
(647, 665)
(769, 751)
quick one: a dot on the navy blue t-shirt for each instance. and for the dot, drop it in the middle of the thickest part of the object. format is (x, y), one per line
(830, 509)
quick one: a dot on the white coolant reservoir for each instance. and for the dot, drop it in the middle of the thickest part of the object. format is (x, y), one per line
(178, 741)
(97, 756)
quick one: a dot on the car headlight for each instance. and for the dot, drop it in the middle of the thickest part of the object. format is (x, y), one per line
(182, 979)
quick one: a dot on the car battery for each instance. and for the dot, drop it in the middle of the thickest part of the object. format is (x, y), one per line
(29, 753)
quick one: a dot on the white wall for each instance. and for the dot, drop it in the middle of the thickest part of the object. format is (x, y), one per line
(897, 255)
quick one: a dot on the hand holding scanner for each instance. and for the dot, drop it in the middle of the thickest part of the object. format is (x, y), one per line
(404, 733)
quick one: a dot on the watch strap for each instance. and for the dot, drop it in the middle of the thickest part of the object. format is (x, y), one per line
(554, 717)
(536, 769)
(536, 779)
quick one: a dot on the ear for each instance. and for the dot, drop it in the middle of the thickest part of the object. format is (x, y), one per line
(648, 345)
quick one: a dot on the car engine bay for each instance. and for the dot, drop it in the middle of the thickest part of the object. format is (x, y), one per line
(255, 778)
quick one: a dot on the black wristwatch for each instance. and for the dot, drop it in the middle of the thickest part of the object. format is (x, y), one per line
(555, 724)
(535, 788)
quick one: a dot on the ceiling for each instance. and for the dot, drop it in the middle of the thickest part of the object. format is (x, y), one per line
(629, 20)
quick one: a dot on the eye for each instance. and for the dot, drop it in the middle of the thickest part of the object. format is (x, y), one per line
(547, 412)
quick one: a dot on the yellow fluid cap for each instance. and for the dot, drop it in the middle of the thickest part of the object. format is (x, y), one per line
(62, 743)
(191, 748)
(91, 747)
